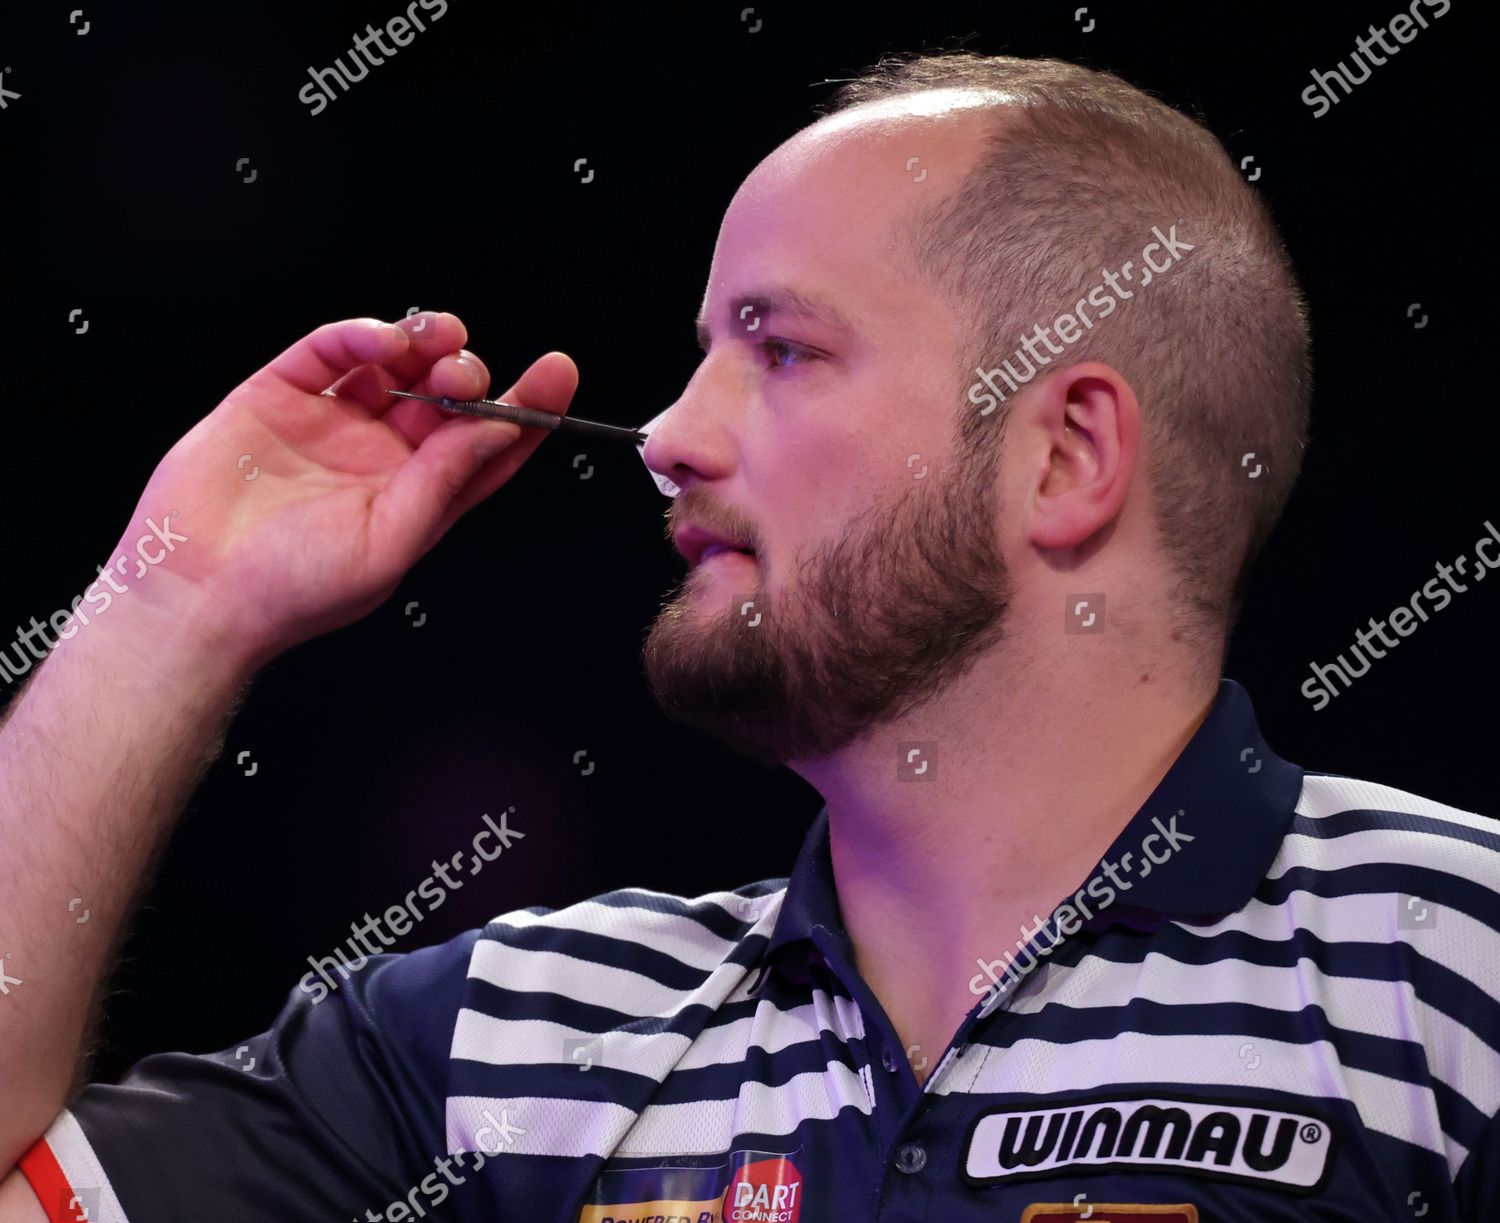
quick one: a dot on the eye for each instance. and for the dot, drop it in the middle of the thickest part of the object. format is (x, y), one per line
(783, 353)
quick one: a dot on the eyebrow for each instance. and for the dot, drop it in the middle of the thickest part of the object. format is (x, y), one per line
(780, 300)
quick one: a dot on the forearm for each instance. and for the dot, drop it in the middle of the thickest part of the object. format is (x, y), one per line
(101, 751)
(98, 755)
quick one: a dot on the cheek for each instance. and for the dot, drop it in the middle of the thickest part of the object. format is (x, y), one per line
(811, 502)
(812, 477)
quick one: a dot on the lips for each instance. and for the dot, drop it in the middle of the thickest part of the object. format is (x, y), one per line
(715, 549)
(697, 545)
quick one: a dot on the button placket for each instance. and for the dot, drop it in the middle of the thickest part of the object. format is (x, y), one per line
(979, 1018)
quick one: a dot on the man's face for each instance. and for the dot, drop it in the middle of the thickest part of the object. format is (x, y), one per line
(819, 432)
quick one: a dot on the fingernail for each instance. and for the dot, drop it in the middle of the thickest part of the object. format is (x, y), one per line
(476, 375)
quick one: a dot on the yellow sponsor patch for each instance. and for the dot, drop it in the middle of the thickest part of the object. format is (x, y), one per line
(654, 1212)
(748, 1187)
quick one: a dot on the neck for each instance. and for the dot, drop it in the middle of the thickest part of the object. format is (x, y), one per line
(1031, 773)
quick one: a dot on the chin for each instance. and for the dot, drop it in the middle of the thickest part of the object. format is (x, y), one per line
(713, 663)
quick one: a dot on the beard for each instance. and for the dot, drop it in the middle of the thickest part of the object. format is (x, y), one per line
(876, 622)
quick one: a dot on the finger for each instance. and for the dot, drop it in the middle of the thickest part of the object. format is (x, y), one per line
(463, 456)
(462, 375)
(553, 385)
(321, 358)
(431, 334)
(366, 385)
(432, 337)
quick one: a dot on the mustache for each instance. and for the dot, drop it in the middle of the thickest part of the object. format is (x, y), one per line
(693, 506)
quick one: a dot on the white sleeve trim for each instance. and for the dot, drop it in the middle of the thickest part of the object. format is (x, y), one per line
(95, 1196)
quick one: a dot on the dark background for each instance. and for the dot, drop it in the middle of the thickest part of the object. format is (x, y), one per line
(445, 180)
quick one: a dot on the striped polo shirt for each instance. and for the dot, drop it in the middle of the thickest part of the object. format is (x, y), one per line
(1276, 998)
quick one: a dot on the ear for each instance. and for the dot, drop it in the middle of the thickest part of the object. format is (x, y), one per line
(1086, 421)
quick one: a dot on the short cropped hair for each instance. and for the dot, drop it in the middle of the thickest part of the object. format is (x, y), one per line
(1077, 171)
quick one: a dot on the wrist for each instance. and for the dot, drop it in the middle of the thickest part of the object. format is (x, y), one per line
(168, 631)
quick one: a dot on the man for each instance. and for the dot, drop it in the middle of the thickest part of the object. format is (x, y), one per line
(1005, 383)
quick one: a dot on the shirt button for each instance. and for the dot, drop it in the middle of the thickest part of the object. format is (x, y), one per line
(888, 1058)
(911, 1157)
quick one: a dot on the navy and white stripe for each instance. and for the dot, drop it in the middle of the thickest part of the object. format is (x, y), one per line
(1326, 948)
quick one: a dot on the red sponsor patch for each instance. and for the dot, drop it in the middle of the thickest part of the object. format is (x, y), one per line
(765, 1191)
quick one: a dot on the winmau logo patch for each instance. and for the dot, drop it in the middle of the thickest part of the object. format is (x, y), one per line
(1205, 1138)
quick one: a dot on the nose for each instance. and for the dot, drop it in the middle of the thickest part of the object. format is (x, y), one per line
(686, 443)
(666, 486)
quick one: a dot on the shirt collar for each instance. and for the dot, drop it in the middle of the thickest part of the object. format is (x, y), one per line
(1226, 790)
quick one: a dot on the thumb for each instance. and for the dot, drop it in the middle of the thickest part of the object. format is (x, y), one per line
(443, 476)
